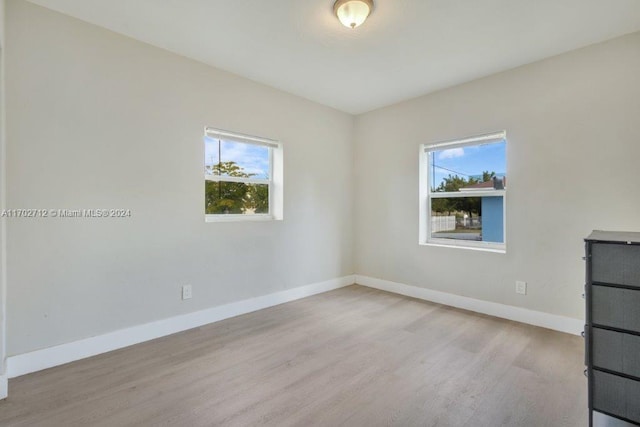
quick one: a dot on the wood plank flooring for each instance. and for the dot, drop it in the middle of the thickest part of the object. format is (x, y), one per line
(353, 357)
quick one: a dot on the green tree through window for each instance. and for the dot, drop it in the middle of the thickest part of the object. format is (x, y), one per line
(225, 197)
(453, 183)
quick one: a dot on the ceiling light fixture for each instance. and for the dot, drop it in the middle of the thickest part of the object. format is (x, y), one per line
(352, 13)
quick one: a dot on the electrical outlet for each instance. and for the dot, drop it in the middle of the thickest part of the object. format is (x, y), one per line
(186, 292)
(521, 287)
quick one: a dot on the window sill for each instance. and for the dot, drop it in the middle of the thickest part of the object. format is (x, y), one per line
(495, 248)
(239, 218)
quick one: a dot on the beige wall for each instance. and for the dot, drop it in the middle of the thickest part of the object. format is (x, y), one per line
(573, 150)
(97, 120)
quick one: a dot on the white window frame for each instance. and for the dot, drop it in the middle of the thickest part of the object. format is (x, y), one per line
(275, 180)
(426, 195)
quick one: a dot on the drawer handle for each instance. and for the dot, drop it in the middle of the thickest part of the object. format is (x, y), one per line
(583, 296)
(585, 373)
(582, 333)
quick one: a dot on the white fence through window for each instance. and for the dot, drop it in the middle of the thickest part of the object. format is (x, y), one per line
(443, 223)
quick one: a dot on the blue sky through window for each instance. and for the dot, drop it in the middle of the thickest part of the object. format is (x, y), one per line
(468, 161)
(254, 159)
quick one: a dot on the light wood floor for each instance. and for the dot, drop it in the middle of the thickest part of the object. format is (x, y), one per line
(354, 357)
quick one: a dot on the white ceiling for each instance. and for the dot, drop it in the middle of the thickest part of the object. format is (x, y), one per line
(407, 48)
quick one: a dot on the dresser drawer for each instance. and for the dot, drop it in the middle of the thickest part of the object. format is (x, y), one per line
(602, 420)
(616, 395)
(616, 351)
(616, 264)
(615, 307)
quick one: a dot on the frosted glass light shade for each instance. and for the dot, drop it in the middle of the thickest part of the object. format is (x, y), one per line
(352, 13)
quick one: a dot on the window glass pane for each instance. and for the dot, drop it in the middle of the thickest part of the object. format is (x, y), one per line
(258, 199)
(468, 218)
(463, 167)
(236, 198)
(231, 158)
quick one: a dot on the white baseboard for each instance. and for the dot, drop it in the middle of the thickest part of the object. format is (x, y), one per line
(54, 356)
(4, 386)
(519, 314)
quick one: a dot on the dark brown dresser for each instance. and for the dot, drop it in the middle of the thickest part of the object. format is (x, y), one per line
(612, 332)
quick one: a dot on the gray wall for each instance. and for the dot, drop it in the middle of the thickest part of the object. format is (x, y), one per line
(99, 120)
(573, 150)
(3, 289)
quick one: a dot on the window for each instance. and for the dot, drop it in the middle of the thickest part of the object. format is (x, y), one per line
(463, 192)
(243, 177)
